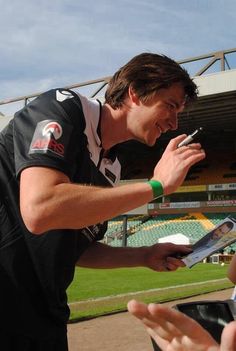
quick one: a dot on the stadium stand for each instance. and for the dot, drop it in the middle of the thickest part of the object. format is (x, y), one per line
(193, 225)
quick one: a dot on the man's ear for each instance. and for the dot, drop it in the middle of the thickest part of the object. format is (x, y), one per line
(133, 96)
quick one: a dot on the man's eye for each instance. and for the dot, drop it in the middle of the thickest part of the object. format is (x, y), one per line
(171, 106)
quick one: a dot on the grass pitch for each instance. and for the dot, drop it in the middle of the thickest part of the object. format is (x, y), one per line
(97, 292)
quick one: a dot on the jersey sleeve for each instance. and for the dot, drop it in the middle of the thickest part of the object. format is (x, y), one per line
(49, 132)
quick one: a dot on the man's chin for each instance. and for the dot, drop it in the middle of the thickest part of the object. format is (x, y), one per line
(150, 143)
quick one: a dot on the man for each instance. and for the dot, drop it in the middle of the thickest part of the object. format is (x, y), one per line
(59, 168)
(175, 331)
(215, 235)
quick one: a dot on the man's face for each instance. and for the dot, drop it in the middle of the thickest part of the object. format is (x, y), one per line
(147, 121)
(219, 232)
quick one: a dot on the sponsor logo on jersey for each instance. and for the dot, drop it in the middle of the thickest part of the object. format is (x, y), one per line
(49, 137)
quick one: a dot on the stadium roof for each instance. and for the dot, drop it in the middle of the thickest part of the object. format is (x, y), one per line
(216, 105)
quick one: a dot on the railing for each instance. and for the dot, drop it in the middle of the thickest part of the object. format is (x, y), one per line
(214, 58)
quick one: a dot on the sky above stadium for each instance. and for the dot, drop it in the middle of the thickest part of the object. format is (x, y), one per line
(45, 44)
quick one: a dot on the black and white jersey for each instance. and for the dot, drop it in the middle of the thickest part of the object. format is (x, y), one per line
(60, 129)
(64, 133)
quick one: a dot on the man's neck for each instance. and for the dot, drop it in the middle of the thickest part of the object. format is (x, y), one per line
(113, 127)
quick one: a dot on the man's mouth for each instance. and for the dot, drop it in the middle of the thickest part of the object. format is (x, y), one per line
(159, 128)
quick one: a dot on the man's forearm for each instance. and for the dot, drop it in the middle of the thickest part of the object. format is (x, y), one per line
(158, 257)
(100, 255)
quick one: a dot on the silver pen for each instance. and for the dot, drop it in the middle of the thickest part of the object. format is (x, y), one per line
(190, 137)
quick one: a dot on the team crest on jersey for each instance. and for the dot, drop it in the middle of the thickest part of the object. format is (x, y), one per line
(53, 128)
(50, 137)
(62, 95)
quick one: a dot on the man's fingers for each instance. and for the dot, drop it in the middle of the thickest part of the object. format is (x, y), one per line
(138, 309)
(172, 145)
(153, 322)
(228, 337)
(185, 324)
(173, 330)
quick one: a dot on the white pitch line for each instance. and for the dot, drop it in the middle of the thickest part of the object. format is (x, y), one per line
(147, 291)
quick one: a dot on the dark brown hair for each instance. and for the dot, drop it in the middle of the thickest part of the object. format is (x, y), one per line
(146, 74)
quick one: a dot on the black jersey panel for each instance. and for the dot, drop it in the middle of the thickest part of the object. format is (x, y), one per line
(44, 134)
(23, 304)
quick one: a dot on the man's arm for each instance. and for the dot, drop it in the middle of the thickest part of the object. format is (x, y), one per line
(173, 330)
(232, 270)
(48, 200)
(157, 257)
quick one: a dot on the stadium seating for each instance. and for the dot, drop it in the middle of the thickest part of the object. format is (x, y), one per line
(147, 231)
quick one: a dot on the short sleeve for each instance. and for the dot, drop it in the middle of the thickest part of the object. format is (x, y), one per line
(49, 131)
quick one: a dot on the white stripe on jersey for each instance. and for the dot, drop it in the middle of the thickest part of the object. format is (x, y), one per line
(91, 109)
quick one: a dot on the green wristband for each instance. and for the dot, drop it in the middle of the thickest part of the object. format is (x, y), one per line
(157, 188)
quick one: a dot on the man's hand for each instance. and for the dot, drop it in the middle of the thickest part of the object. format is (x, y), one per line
(164, 257)
(174, 331)
(175, 162)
